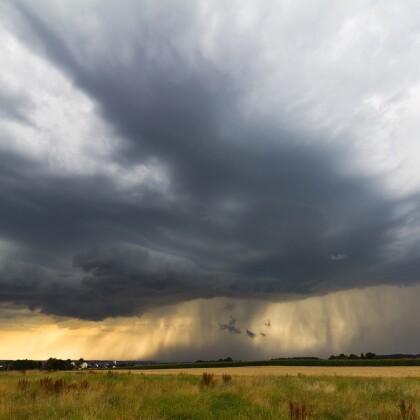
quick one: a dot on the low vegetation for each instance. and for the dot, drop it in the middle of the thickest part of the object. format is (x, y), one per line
(285, 362)
(207, 380)
(355, 371)
(226, 378)
(299, 411)
(101, 395)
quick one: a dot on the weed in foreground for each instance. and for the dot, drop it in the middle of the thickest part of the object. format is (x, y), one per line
(23, 384)
(299, 412)
(84, 384)
(207, 380)
(50, 386)
(58, 386)
(226, 378)
(407, 411)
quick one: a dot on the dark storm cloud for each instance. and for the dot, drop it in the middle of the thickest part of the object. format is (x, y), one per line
(255, 211)
(124, 281)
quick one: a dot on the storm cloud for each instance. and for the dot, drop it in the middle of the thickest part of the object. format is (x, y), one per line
(201, 181)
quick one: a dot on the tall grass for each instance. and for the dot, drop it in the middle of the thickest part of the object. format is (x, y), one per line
(128, 396)
(407, 411)
(226, 378)
(207, 380)
(299, 411)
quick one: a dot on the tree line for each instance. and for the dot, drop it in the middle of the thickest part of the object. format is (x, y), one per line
(51, 364)
(343, 356)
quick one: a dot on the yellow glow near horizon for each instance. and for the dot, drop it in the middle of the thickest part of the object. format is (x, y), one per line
(335, 322)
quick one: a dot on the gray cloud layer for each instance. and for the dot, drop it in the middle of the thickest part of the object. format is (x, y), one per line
(250, 210)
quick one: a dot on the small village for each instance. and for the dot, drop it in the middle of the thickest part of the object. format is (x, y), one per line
(53, 364)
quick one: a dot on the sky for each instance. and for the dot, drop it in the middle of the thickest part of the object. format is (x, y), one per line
(207, 179)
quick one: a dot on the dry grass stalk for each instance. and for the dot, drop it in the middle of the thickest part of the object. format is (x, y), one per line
(23, 384)
(226, 378)
(407, 411)
(299, 412)
(207, 379)
(84, 384)
(58, 386)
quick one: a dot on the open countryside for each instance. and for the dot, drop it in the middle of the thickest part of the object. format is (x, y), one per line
(356, 371)
(220, 393)
(209, 209)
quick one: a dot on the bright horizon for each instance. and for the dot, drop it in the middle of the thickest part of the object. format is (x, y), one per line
(319, 326)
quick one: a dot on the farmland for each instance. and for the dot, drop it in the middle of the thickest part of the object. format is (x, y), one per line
(285, 362)
(246, 393)
(357, 371)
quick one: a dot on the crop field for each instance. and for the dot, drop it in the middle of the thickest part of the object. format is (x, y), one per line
(232, 393)
(358, 371)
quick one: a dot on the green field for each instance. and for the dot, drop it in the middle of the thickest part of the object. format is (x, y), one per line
(114, 395)
(286, 362)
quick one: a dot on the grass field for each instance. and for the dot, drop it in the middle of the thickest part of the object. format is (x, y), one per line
(380, 371)
(125, 395)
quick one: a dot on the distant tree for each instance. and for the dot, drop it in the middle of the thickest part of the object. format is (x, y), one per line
(370, 355)
(24, 364)
(343, 356)
(58, 364)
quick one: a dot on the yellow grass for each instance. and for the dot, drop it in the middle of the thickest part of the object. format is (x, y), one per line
(356, 371)
(254, 393)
